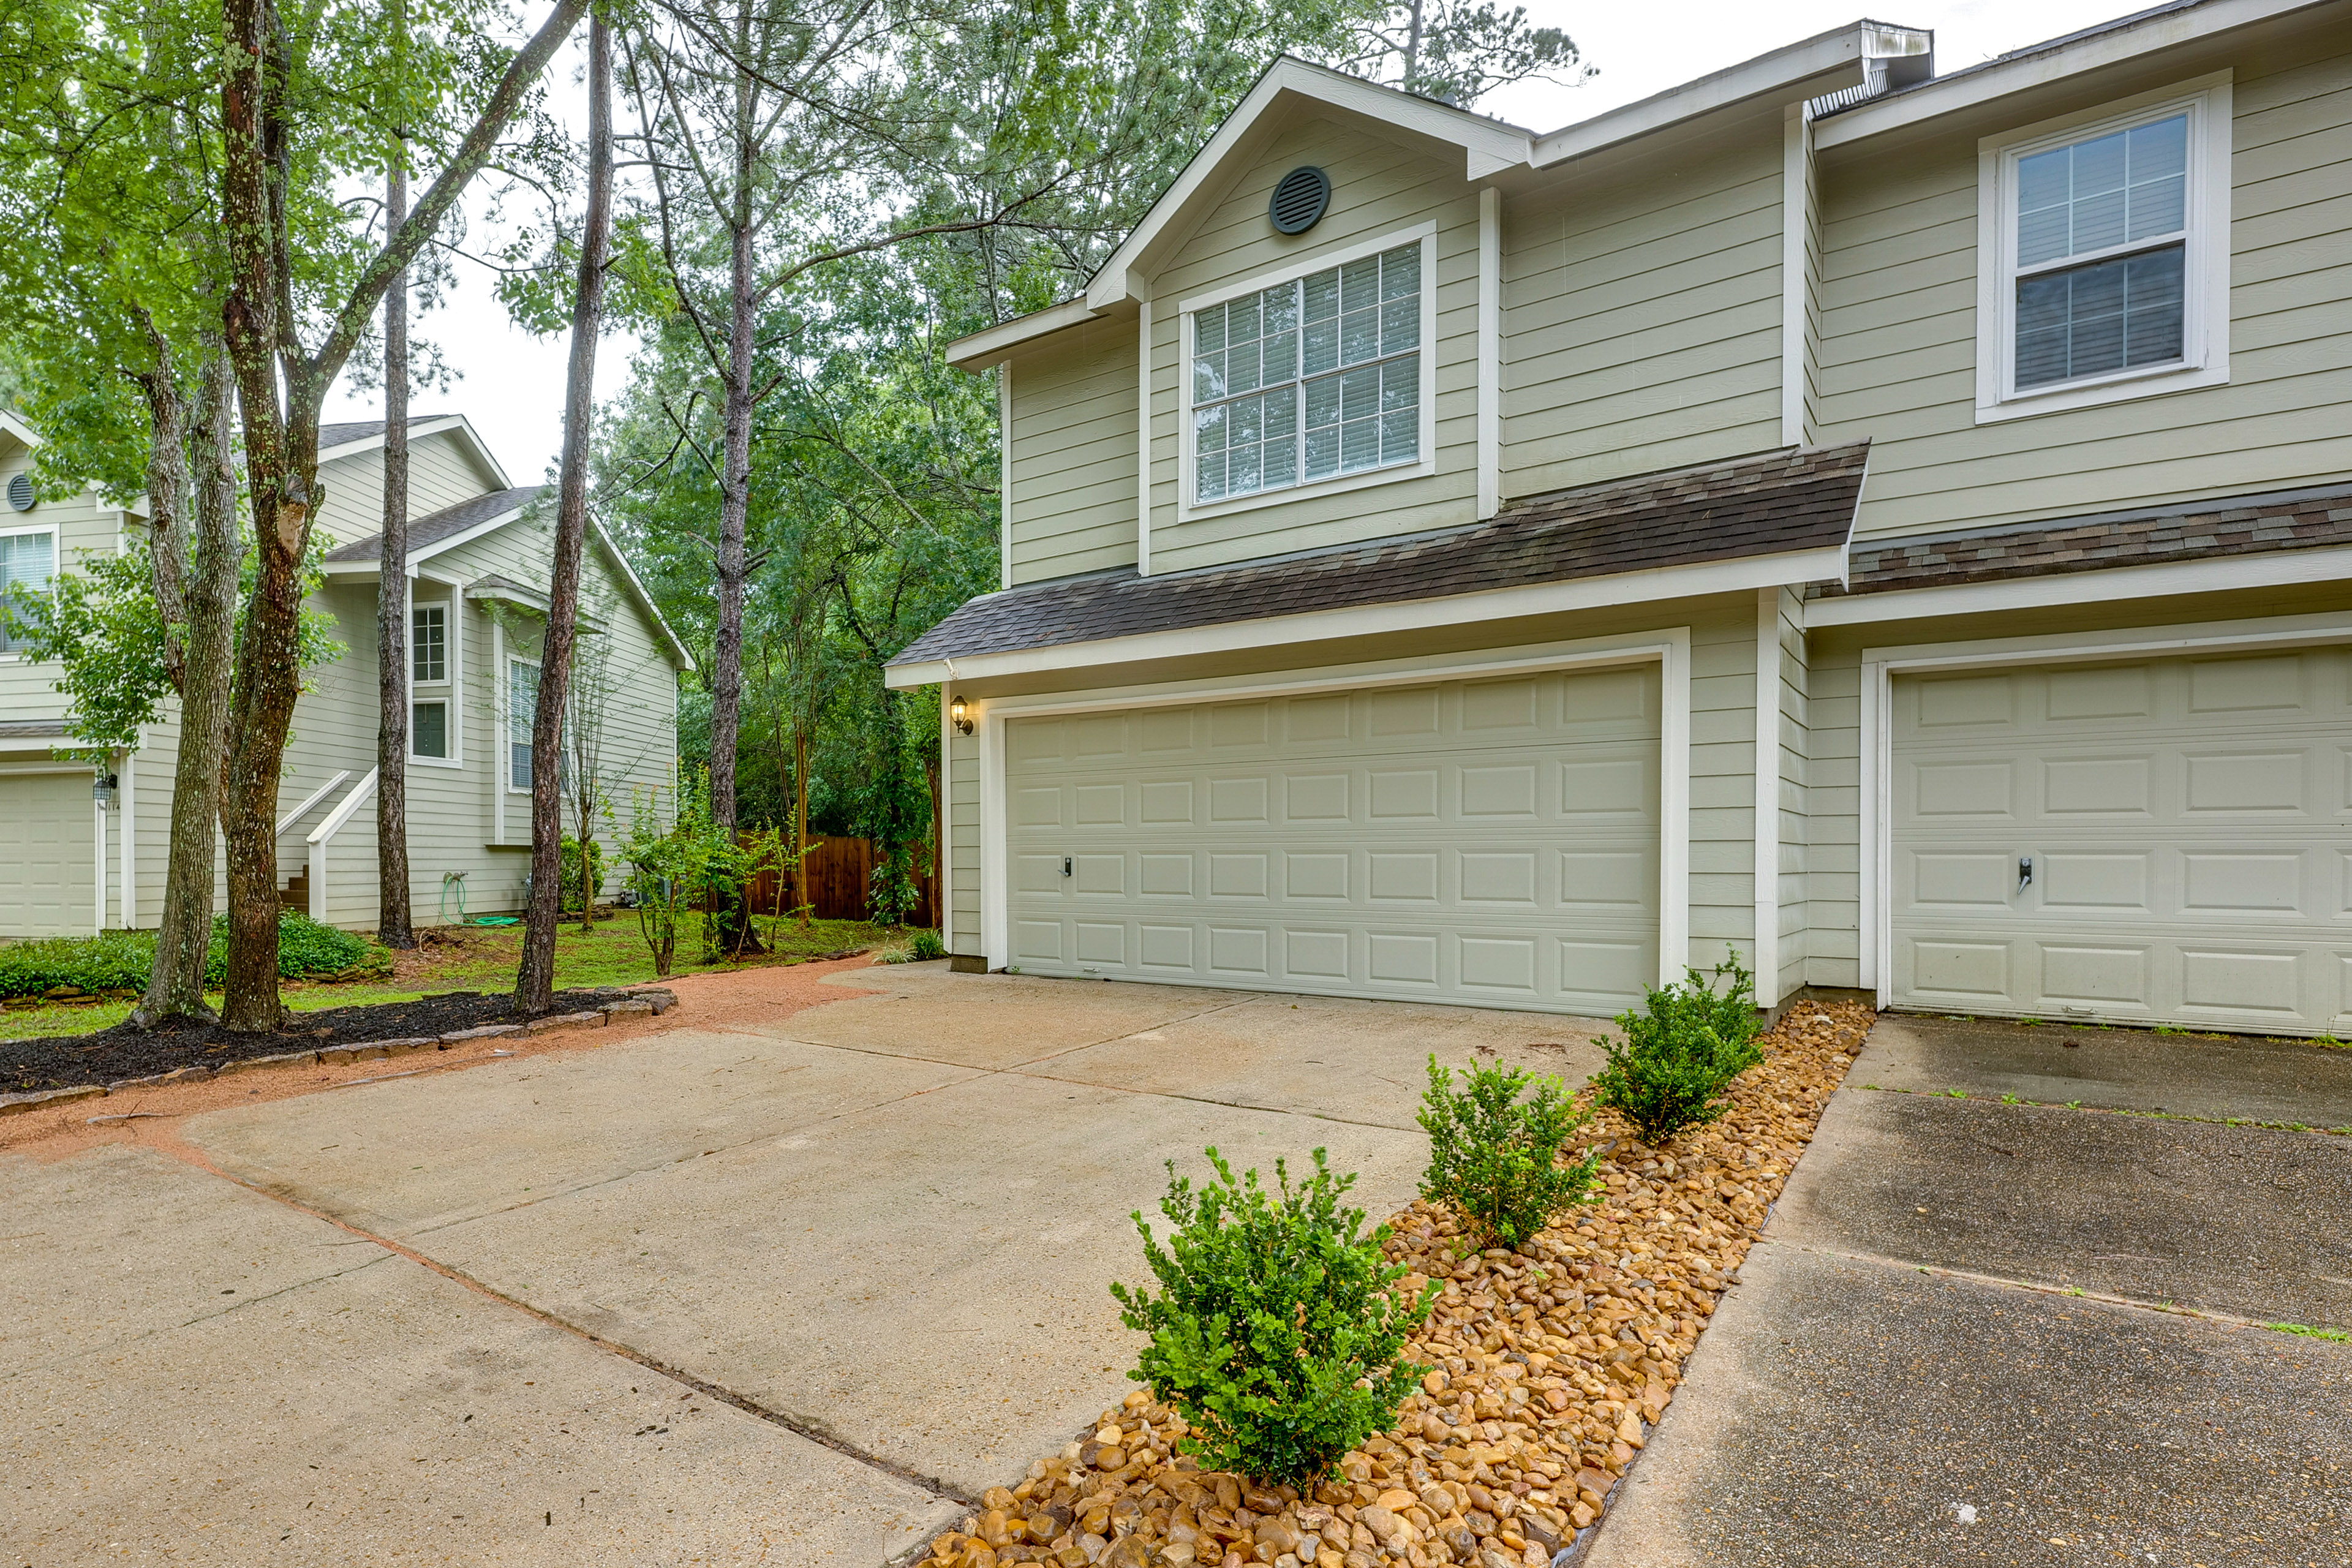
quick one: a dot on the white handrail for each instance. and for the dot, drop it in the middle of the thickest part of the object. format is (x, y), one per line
(325, 832)
(313, 799)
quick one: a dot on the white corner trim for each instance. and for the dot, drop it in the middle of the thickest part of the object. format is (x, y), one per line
(1670, 646)
(2271, 569)
(1797, 197)
(2205, 326)
(2158, 29)
(1876, 747)
(1736, 576)
(946, 910)
(1004, 475)
(1767, 832)
(126, 795)
(1490, 352)
(1143, 439)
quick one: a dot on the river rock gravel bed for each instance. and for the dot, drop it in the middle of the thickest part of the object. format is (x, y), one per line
(1549, 1367)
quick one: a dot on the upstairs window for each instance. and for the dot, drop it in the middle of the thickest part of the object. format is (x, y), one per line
(2107, 275)
(1310, 379)
(523, 714)
(29, 559)
(429, 644)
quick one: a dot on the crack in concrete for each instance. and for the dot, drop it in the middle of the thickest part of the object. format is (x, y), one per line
(2040, 1286)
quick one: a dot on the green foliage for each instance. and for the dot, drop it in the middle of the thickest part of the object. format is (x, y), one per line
(1672, 1062)
(1277, 1331)
(122, 960)
(927, 946)
(681, 860)
(890, 890)
(1495, 1159)
(576, 893)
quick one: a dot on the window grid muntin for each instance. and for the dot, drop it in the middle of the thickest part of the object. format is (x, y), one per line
(29, 556)
(429, 644)
(523, 714)
(1345, 345)
(2107, 258)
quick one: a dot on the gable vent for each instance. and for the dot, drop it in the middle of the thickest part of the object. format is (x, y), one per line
(20, 492)
(1299, 200)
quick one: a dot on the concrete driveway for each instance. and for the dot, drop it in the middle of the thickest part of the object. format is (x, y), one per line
(774, 1292)
(1967, 1336)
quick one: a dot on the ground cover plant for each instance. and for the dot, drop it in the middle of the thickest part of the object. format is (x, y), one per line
(1668, 1068)
(1495, 1158)
(1277, 1327)
(117, 962)
(1548, 1365)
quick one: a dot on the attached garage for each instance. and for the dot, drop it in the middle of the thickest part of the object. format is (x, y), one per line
(1491, 842)
(48, 843)
(2163, 841)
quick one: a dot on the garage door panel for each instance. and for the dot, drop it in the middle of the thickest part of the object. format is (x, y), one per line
(2195, 874)
(49, 848)
(1456, 841)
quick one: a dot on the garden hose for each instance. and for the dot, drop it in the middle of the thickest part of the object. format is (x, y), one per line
(447, 879)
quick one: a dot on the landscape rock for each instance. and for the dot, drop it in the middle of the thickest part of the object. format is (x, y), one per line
(662, 1000)
(561, 1021)
(633, 1009)
(163, 1080)
(41, 1099)
(284, 1059)
(484, 1032)
(337, 1056)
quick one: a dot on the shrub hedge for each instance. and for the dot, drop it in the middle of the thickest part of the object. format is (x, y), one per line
(120, 960)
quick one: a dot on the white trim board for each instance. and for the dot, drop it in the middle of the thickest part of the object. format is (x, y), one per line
(1766, 832)
(1490, 352)
(1880, 665)
(1742, 575)
(1669, 646)
(2213, 575)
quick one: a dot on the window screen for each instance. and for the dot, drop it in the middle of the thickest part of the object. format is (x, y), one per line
(1310, 379)
(2101, 242)
(522, 712)
(31, 560)
(428, 643)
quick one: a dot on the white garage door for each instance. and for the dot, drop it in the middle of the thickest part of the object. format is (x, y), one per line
(2188, 821)
(1491, 842)
(47, 846)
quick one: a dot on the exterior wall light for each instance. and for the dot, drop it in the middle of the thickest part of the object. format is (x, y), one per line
(960, 713)
(102, 790)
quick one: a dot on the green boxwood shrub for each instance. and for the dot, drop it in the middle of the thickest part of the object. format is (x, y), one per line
(1277, 1331)
(120, 960)
(1666, 1072)
(1495, 1159)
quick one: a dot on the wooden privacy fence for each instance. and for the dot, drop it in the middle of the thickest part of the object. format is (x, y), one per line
(840, 870)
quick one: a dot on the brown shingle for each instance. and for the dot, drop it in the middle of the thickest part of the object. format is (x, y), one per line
(1795, 498)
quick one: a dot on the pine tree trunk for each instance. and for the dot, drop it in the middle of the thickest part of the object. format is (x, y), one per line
(535, 978)
(204, 600)
(394, 920)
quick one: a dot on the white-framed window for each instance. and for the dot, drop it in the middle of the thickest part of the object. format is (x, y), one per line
(522, 712)
(432, 681)
(2103, 254)
(1316, 378)
(27, 556)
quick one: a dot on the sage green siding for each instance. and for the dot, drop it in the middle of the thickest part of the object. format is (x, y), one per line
(441, 473)
(1074, 468)
(83, 525)
(1792, 782)
(1642, 327)
(1379, 188)
(964, 844)
(1898, 350)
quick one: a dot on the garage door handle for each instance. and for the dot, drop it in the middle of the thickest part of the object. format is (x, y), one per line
(2024, 871)
(1065, 864)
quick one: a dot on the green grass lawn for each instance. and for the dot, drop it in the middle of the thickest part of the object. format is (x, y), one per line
(483, 958)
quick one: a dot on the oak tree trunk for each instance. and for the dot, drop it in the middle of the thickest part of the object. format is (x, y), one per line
(394, 920)
(535, 979)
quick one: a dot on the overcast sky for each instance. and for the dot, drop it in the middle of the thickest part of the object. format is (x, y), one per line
(511, 384)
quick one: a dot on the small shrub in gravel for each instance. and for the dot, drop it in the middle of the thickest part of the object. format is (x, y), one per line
(1668, 1069)
(1493, 1158)
(925, 946)
(1275, 1332)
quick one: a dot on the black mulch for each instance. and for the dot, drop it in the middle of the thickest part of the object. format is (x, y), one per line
(109, 1056)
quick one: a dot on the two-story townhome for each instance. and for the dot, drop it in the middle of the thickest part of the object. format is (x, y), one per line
(1893, 527)
(87, 850)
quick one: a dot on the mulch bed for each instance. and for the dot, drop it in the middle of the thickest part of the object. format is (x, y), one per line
(110, 1055)
(1549, 1367)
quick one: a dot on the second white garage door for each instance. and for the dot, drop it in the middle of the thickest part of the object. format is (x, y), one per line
(1491, 842)
(48, 842)
(2162, 842)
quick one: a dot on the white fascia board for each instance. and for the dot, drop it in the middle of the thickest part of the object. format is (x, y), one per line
(677, 650)
(15, 425)
(2275, 569)
(1489, 146)
(1768, 73)
(990, 344)
(2037, 68)
(416, 427)
(426, 552)
(1743, 575)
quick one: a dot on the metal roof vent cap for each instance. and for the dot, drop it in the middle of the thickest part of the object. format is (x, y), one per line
(1299, 200)
(20, 492)
(1896, 57)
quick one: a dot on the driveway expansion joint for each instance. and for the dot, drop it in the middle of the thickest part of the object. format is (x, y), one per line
(2014, 1282)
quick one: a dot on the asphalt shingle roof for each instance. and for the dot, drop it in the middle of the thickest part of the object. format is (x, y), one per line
(435, 527)
(2186, 530)
(350, 430)
(1791, 499)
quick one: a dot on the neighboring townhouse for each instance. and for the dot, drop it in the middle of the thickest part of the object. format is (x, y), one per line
(1889, 527)
(481, 556)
